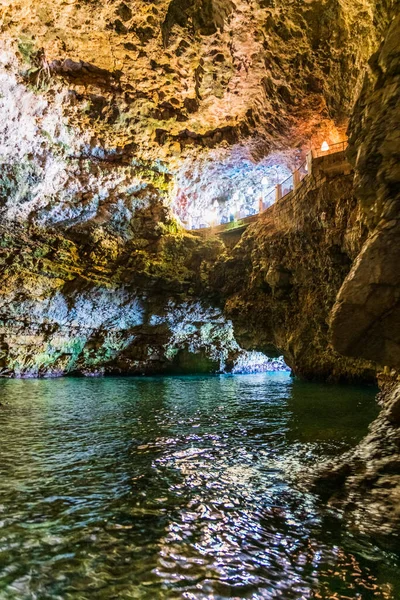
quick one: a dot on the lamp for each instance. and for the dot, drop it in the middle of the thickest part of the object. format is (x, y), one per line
(325, 146)
(210, 216)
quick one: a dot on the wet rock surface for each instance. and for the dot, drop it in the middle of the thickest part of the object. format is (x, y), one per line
(101, 105)
(365, 483)
(366, 319)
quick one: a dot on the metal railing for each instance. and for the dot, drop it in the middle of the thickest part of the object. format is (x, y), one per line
(303, 170)
(333, 149)
(268, 199)
(292, 182)
(287, 185)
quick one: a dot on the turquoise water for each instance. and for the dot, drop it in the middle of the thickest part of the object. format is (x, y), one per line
(178, 487)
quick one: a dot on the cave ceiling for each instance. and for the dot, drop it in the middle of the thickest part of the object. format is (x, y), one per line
(167, 82)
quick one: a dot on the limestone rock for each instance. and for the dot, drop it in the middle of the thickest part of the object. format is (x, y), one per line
(280, 282)
(365, 482)
(366, 319)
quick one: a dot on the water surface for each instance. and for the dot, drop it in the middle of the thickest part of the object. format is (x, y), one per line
(178, 487)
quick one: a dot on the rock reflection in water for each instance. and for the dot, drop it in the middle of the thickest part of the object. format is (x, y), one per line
(178, 488)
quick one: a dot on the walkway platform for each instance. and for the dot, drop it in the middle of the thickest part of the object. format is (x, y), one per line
(321, 165)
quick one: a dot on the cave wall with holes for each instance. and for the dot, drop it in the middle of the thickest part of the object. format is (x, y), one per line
(108, 110)
(104, 103)
(112, 112)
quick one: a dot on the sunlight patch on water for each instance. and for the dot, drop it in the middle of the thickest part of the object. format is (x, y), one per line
(178, 487)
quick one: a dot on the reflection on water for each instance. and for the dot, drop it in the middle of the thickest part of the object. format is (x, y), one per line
(178, 488)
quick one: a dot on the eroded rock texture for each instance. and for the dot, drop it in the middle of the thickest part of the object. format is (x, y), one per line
(123, 92)
(280, 282)
(174, 75)
(366, 317)
(102, 106)
(365, 483)
(108, 108)
(89, 302)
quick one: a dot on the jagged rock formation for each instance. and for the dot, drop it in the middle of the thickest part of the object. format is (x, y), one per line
(175, 75)
(366, 317)
(122, 93)
(364, 484)
(88, 302)
(95, 300)
(281, 281)
(101, 105)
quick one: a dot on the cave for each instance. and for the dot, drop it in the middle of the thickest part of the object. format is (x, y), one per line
(199, 299)
(224, 186)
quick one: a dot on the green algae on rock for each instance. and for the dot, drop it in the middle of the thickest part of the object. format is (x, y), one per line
(104, 105)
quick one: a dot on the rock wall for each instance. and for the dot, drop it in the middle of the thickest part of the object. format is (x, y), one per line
(89, 302)
(280, 282)
(365, 320)
(91, 299)
(364, 484)
(101, 105)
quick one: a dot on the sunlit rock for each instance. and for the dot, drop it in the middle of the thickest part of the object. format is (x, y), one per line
(127, 129)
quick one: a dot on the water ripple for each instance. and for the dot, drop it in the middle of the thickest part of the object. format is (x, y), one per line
(168, 488)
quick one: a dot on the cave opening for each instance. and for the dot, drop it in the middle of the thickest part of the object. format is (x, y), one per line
(178, 456)
(225, 185)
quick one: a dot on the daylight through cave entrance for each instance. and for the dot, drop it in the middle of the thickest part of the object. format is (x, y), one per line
(224, 186)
